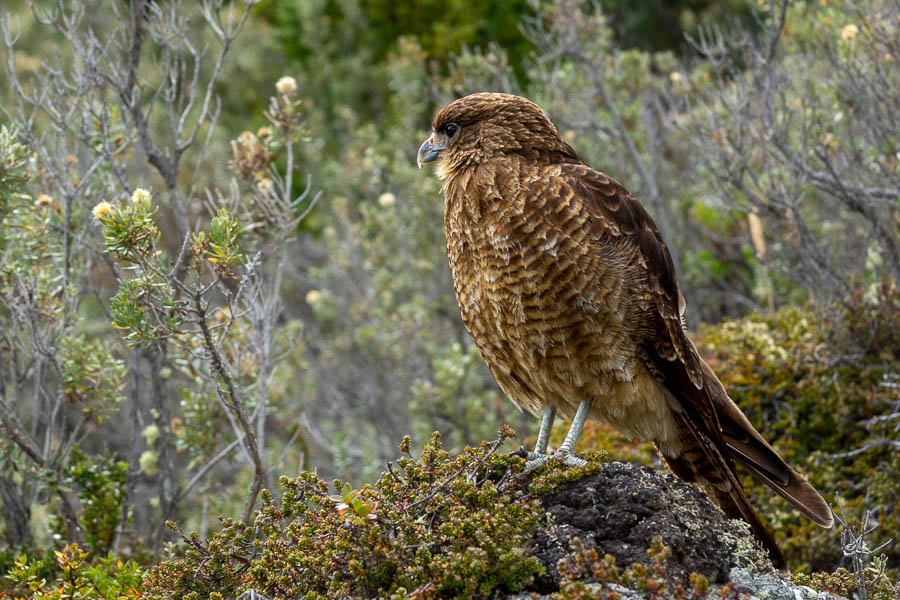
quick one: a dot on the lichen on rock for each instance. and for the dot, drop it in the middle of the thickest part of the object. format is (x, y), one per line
(622, 510)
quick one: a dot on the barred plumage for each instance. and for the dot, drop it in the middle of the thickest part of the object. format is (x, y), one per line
(569, 292)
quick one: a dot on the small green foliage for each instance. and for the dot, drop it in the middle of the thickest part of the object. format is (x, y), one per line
(129, 232)
(585, 565)
(224, 231)
(130, 306)
(443, 525)
(91, 372)
(555, 473)
(349, 504)
(100, 482)
(13, 170)
(75, 577)
(145, 307)
(843, 583)
(819, 388)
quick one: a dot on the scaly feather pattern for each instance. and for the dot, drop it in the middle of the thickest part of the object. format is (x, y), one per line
(569, 292)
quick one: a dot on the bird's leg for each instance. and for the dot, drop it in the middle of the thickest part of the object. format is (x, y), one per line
(544, 433)
(539, 456)
(566, 450)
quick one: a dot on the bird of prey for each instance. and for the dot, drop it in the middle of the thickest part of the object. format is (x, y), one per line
(569, 292)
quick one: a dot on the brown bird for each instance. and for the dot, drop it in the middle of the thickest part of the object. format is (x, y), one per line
(569, 292)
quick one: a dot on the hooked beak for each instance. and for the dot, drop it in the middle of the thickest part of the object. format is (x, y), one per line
(427, 152)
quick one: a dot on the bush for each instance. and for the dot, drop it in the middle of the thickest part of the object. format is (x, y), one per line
(821, 387)
(73, 577)
(441, 526)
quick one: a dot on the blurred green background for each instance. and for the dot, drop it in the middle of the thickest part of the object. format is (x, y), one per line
(771, 168)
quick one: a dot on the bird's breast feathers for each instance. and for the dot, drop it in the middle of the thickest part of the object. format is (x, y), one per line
(539, 299)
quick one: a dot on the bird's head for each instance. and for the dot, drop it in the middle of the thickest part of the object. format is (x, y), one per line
(486, 126)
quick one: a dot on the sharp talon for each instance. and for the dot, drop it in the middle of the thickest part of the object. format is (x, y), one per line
(570, 460)
(521, 452)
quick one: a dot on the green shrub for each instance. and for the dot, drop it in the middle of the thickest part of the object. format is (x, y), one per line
(75, 578)
(843, 582)
(821, 388)
(441, 526)
(101, 482)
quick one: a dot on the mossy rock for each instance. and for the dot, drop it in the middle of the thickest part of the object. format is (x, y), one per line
(623, 511)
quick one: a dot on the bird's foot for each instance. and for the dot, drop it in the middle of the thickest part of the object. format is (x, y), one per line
(569, 458)
(535, 460)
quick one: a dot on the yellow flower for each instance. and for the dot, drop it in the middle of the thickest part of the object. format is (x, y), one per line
(387, 200)
(675, 77)
(151, 434)
(102, 209)
(286, 85)
(313, 296)
(43, 201)
(149, 462)
(140, 195)
(264, 132)
(849, 32)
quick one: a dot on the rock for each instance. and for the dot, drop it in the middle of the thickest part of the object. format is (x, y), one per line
(622, 508)
(763, 586)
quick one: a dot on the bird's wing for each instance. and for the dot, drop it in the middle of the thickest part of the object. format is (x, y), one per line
(619, 220)
(714, 419)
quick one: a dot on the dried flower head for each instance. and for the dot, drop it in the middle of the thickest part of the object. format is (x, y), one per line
(248, 155)
(313, 297)
(286, 86)
(264, 132)
(848, 32)
(101, 209)
(43, 201)
(675, 77)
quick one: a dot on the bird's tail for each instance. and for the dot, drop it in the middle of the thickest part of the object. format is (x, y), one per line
(710, 462)
(702, 463)
(745, 445)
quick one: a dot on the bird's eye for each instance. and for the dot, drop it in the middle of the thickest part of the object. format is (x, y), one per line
(451, 129)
